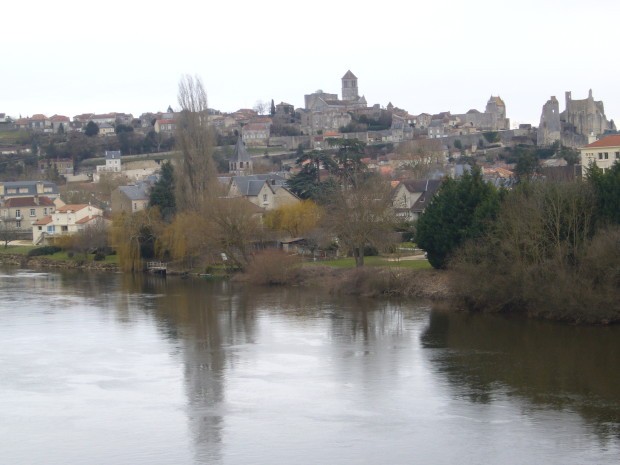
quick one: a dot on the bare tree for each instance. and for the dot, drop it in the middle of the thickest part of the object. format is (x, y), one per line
(362, 216)
(197, 176)
(8, 232)
(92, 237)
(419, 157)
(261, 107)
(234, 226)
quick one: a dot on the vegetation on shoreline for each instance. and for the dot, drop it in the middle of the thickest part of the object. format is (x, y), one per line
(549, 250)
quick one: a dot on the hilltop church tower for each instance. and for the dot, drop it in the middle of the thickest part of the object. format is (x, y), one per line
(349, 87)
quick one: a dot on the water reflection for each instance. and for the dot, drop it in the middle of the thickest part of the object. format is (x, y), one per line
(551, 365)
(291, 375)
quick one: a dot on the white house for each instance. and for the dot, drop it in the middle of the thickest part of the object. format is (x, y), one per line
(112, 164)
(604, 153)
(68, 219)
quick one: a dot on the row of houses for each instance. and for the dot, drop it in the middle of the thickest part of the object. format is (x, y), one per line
(33, 209)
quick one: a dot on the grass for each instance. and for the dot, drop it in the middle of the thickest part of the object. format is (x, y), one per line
(374, 261)
(62, 256)
(11, 137)
(16, 249)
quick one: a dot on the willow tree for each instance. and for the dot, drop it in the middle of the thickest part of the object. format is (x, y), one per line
(134, 236)
(197, 175)
(296, 219)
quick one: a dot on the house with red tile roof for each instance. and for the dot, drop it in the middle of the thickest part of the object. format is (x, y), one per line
(19, 213)
(603, 153)
(68, 219)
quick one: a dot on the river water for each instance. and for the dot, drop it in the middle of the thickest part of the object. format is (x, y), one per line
(114, 369)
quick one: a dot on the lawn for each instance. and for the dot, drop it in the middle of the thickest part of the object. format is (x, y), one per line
(16, 249)
(61, 256)
(374, 261)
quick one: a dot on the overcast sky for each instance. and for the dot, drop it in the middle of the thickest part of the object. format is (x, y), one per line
(72, 57)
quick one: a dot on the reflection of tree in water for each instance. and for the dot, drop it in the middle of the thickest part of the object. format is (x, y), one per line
(207, 322)
(553, 365)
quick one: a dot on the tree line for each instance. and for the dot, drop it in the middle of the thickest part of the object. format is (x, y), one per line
(549, 249)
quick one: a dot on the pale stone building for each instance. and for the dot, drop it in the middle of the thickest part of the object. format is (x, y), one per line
(240, 163)
(586, 117)
(603, 153)
(267, 191)
(549, 130)
(68, 219)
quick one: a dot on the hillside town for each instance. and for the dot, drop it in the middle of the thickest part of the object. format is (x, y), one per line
(61, 174)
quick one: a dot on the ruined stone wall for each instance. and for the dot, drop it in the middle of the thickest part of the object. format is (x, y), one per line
(549, 130)
(586, 116)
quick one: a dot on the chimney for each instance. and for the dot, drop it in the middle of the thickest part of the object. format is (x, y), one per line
(36, 199)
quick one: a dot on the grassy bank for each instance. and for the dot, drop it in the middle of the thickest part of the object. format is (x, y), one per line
(380, 276)
(390, 262)
(18, 255)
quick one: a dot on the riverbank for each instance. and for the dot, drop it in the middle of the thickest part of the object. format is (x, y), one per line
(24, 261)
(368, 281)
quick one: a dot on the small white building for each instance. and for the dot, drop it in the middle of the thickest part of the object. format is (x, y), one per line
(68, 219)
(112, 164)
(603, 153)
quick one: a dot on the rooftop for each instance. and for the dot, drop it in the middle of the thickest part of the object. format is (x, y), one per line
(607, 141)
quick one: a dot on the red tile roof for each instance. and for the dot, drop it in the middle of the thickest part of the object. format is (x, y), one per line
(86, 219)
(60, 118)
(607, 141)
(17, 202)
(72, 207)
(43, 221)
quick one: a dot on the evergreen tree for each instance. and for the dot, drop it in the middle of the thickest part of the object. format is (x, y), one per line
(462, 209)
(273, 108)
(162, 192)
(91, 129)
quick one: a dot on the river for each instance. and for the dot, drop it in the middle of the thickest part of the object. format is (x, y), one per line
(112, 369)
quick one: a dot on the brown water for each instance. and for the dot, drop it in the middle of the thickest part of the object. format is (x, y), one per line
(109, 369)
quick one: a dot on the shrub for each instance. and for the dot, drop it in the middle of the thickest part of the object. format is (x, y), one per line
(47, 250)
(99, 256)
(272, 267)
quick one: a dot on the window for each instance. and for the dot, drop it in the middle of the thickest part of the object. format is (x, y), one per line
(18, 224)
(40, 228)
(64, 228)
(50, 229)
(264, 197)
(18, 213)
(606, 155)
(617, 155)
(32, 212)
(45, 211)
(600, 156)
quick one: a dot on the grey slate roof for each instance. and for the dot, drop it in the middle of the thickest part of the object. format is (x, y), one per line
(30, 185)
(240, 153)
(251, 185)
(112, 154)
(137, 191)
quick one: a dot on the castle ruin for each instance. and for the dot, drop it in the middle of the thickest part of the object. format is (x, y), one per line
(580, 123)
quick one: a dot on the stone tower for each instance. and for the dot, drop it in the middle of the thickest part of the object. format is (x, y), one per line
(585, 117)
(240, 163)
(349, 87)
(496, 108)
(549, 130)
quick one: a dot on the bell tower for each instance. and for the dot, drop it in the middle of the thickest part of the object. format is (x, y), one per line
(349, 87)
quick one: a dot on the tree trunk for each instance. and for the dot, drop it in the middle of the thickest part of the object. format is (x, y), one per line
(358, 253)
